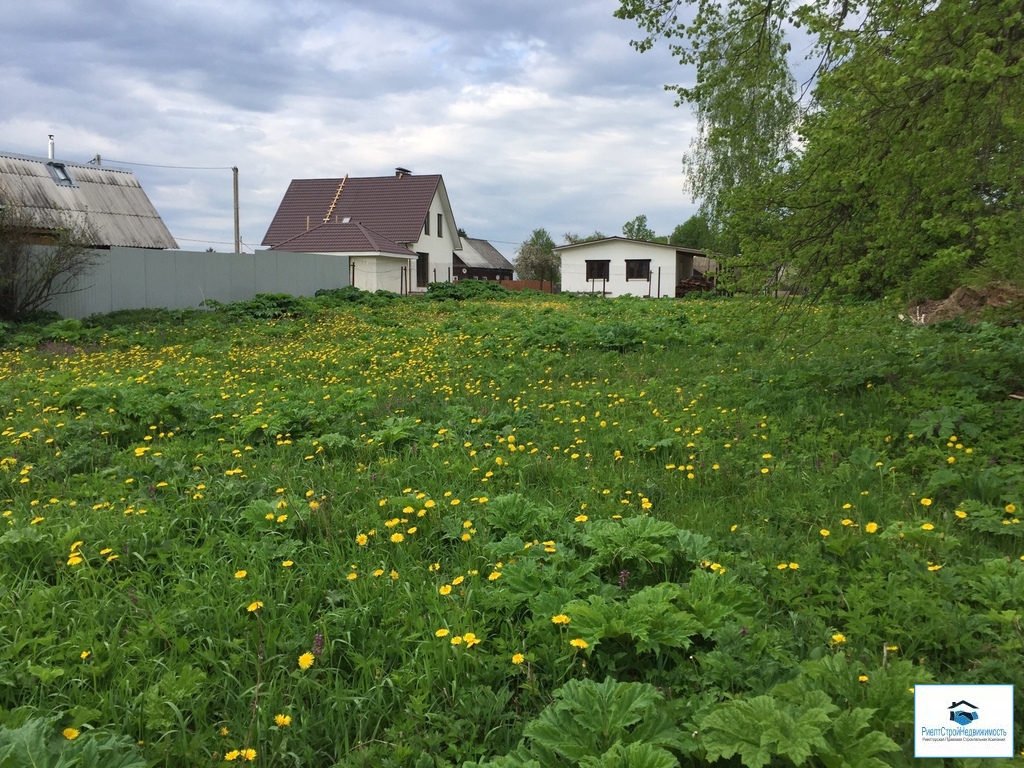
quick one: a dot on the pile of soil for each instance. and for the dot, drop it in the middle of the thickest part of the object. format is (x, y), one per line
(999, 301)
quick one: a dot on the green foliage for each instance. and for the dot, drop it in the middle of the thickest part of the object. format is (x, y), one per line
(39, 744)
(466, 289)
(637, 229)
(600, 724)
(903, 178)
(535, 259)
(721, 511)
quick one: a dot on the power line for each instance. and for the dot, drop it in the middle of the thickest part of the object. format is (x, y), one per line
(175, 167)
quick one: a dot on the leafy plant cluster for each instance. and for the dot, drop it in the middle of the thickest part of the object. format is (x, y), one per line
(467, 534)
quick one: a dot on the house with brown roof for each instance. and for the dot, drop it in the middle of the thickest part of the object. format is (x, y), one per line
(398, 232)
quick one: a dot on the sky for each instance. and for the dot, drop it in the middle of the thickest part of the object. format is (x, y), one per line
(537, 113)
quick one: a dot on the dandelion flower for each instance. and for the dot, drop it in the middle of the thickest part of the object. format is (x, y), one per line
(960, 513)
(441, 633)
(782, 566)
(283, 721)
(470, 639)
(1010, 508)
(824, 532)
(287, 564)
(71, 733)
(581, 518)
(926, 502)
(580, 643)
(794, 566)
(838, 638)
(248, 754)
(446, 589)
(871, 527)
(863, 678)
(457, 640)
(494, 576)
(927, 527)
(518, 658)
(397, 538)
(254, 606)
(85, 655)
(306, 660)
(75, 559)
(240, 574)
(458, 580)
(560, 619)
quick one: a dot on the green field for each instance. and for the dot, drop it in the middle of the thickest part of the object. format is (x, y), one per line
(374, 531)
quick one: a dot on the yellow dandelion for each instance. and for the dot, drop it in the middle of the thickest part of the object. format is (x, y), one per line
(782, 566)
(240, 574)
(926, 502)
(871, 527)
(960, 513)
(306, 660)
(794, 566)
(254, 606)
(362, 539)
(458, 580)
(580, 643)
(287, 563)
(518, 658)
(1010, 508)
(352, 576)
(441, 633)
(283, 721)
(863, 678)
(397, 538)
(446, 589)
(927, 527)
(248, 754)
(75, 559)
(560, 619)
(824, 532)
(71, 733)
(457, 640)
(85, 655)
(838, 638)
(470, 639)
(494, 576)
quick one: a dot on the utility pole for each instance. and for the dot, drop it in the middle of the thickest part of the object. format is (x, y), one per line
(238, 234)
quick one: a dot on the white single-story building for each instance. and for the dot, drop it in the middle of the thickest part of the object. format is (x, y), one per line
(618, 266)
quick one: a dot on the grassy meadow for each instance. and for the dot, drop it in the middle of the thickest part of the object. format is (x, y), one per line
(507, 531)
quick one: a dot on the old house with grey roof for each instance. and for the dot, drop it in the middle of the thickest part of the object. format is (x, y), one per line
(107, 207)
(479, 260)
(398, 232)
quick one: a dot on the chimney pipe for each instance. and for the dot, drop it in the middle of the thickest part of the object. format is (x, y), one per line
(51, 146)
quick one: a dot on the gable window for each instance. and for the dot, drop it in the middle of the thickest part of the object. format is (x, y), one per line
(597, 270)
(638, 269)
(439, 225)
(426, 225)
(60, 174)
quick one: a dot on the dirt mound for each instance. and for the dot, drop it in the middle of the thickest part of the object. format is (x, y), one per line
(971, 304)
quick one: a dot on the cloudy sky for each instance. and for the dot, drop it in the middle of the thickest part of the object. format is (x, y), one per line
(538, 113)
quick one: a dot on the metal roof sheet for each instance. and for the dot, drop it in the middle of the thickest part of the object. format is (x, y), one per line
(394, 206)
(342, 237)
(108, 204)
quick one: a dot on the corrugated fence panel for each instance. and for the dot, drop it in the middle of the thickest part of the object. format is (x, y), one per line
(135, 278)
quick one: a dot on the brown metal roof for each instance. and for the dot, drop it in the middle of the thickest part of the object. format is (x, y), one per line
(109, 204)
(480, 253)
(393, 206)
(342, 237)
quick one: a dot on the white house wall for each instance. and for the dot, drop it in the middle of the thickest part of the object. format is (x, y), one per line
(382, 273)
(616, 252)
(438, 246)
